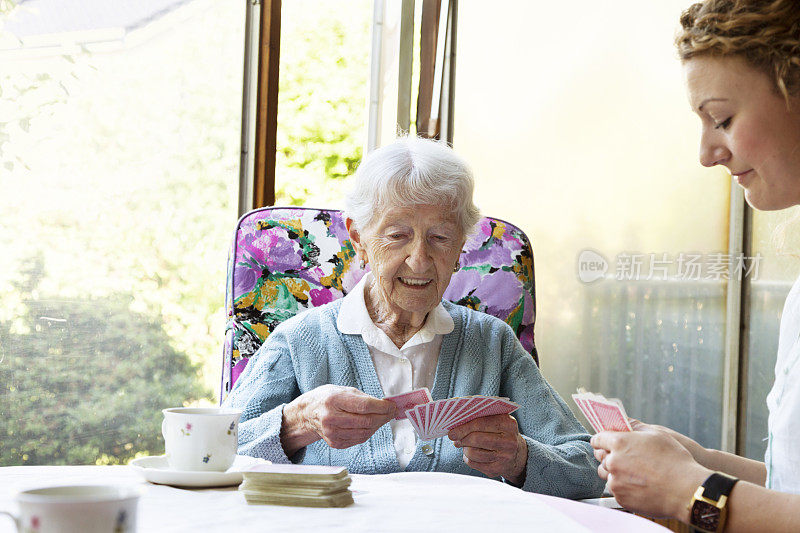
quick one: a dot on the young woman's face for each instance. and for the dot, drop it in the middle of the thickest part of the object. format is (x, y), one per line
(748, 128)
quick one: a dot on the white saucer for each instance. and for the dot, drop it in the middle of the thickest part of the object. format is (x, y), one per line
(155, 469)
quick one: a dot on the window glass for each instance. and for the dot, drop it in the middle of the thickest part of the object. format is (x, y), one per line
(322, 99)
(579, 132)
(119, 153)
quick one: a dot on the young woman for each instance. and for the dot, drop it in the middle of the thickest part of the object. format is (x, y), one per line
(742, 64)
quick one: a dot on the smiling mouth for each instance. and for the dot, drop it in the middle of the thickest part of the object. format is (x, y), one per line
(411, 282)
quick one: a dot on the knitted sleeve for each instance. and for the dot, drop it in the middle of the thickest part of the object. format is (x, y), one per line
(267, 384)
(560, 460)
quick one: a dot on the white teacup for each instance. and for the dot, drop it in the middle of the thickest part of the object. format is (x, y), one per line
(77, 508)
(204, 439)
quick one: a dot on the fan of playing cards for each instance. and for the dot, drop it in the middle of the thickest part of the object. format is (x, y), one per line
(604, 414)
(434, 419)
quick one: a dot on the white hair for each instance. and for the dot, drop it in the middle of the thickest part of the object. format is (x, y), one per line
(409, 172)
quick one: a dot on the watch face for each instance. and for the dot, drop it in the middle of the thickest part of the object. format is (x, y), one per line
(705, 515)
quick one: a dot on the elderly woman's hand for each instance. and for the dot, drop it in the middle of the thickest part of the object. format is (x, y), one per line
(648, 471)
(493, 445)
(341, 416)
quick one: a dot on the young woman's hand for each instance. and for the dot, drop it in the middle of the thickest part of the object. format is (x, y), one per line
(648, 471)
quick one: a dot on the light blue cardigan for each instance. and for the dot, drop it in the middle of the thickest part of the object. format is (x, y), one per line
(480, 356)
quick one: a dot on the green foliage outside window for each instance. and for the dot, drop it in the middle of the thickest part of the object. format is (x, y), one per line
(83, 380)
(322, 99)
(118, 176)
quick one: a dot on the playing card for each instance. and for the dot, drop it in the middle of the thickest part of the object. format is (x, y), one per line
(437, 408)
(609, 415)
(602, 413)
(427, 416)
(407, 400)
(434, 429)
(435, 419)
(459, 404)
(618, 402)
(419, 417)
(580, 401)
(448, 406)
(413, 417)
(475, 405)
(495, 407)
(426, 419)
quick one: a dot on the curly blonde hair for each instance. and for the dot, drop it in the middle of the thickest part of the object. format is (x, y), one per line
(766, 33)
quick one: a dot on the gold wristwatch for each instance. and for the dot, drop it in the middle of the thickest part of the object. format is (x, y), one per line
(708, 508)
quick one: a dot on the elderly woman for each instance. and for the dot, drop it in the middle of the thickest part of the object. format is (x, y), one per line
(408, 217)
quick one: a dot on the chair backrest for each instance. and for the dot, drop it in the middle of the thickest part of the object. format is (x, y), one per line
(284, 260)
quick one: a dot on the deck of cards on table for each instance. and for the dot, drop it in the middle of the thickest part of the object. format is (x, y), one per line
(299, 485)
(433, 419)
(604, 414)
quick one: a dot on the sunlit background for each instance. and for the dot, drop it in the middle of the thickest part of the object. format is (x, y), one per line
(580, 132)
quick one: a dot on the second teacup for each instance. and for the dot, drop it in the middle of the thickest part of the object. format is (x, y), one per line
(201, 438)
(84, 508)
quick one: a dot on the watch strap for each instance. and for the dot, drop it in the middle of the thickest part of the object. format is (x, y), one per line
(718, 485)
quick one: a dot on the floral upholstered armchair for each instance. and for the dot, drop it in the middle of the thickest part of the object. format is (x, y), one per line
(284, 260)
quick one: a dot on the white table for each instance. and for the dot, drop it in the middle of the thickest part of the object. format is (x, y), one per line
(406, 502)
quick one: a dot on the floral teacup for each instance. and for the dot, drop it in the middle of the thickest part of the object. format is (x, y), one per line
(204, 439)
(84, 508)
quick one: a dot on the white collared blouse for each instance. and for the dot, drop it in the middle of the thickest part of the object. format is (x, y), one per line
(413, 366)
(782, 457)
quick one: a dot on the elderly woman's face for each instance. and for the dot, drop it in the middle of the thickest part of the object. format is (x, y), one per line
(412, 253)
